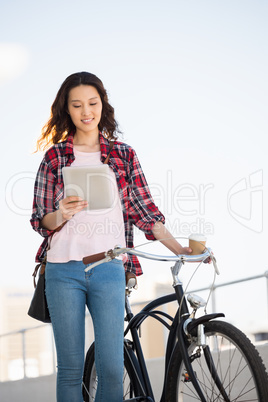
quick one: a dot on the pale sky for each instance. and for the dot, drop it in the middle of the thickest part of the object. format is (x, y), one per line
(188, 80)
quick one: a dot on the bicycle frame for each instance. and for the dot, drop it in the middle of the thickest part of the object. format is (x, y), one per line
(176, 333)
(187, 342)
(133, 327)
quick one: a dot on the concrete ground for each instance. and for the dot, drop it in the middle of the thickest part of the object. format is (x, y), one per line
(42, 389)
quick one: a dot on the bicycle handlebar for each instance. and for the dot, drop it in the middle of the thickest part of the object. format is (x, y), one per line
(100, 258)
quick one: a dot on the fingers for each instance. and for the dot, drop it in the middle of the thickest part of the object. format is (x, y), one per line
(184, 250)
(72, 199)
(187, 250)
(69, 206)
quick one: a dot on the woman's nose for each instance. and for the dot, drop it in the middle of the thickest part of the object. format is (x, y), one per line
(86, 111)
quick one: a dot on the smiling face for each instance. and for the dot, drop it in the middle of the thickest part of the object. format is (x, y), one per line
(85, 107)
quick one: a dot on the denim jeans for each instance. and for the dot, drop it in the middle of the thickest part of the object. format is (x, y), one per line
(68, 290)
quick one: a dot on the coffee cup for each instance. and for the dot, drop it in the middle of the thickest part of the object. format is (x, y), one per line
(197, 242)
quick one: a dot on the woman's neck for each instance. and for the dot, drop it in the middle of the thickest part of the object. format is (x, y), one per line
(87, 142)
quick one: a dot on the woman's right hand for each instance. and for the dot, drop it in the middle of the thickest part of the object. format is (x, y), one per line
(69, 206)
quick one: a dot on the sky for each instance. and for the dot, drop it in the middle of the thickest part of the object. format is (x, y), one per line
(188, 81)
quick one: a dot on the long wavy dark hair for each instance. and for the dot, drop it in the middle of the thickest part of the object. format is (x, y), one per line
(60, 124)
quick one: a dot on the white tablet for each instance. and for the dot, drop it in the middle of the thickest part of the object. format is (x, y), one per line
(91, 183)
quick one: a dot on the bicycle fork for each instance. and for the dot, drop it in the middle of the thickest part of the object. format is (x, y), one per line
(207, 353)
(194, 327)
(187, 362)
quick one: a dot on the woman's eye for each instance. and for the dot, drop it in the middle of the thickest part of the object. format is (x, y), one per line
(91, 104)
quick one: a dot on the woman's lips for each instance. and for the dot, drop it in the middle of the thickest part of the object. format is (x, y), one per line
(87, 121)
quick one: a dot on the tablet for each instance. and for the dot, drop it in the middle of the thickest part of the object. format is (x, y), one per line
(91, 183)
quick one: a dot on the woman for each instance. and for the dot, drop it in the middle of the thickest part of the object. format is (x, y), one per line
(81, 126)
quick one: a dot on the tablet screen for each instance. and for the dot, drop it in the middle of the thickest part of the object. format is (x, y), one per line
(91, 183)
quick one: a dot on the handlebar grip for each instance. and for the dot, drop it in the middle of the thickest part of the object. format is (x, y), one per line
(94, 258)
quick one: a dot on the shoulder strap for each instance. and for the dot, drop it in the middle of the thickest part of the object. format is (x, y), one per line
(111, 144)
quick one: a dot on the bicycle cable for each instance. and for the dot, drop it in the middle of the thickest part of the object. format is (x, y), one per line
(188, 284)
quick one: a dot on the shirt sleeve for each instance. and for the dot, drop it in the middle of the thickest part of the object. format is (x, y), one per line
(43, 202)
(143, 211)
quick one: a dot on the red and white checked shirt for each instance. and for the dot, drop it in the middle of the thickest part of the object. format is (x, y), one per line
(137, 204)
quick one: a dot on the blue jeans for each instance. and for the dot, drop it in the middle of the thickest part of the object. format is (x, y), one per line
(102, 289)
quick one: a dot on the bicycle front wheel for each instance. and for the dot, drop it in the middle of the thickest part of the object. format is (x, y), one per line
(130, 382)
(236, 363)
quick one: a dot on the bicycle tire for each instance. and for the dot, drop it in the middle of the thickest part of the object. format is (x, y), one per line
(238, 365)
(131, 387)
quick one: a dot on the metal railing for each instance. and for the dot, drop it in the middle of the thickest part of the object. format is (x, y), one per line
(238, 281)
(23, 332)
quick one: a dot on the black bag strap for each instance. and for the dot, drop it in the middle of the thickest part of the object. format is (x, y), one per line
(41, 265)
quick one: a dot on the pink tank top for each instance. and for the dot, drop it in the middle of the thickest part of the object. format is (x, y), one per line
(89, 231)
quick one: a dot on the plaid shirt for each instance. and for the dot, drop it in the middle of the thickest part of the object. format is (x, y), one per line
(137, 203)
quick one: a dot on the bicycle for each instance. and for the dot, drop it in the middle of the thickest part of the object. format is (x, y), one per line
(206, 359)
